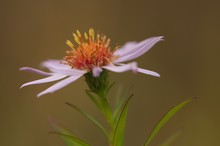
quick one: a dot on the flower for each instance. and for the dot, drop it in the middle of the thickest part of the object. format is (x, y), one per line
(93, 54)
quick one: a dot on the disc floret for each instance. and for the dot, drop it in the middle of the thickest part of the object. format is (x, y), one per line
(92, 51)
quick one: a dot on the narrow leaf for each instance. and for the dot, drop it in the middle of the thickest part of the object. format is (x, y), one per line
(120, 127)
(94, 99)
(171, 139)
(118, 107)
(103, 105)
(71, 140)
(66, 135)
(90, 118)
(164, 120)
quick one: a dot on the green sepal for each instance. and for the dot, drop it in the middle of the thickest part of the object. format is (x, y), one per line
(109, 87)
(98, 85)
(120, 127)
(164, 120)
(95, 122)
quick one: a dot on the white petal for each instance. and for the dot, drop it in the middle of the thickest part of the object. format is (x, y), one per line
(59, 85)
(122, 68)
(57, 67)
(148, 72)
(52, 78)
(33, 70)
(138, 49)
(96, 71)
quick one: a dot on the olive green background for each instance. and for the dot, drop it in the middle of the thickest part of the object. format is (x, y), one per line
(188, 60)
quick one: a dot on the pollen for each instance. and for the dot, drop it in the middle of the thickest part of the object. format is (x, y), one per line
(92, 51)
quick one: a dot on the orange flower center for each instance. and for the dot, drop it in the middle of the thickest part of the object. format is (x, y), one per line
(91, 51)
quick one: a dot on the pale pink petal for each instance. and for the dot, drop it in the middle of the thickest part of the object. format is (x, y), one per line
(57, 67)
(132, 47)
(122, 68)
(57, 64)
(129, 46)
(33, 70)
(148, 72)
(52, 78)
(138, 49)
(69, 72)
(59, 85)
(96, 71)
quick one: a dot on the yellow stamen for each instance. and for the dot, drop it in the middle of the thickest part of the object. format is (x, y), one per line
(92, 33)
(78, 33)
(76, 38)
(70, 44)
(98, 38)
(86, 36)
(107, 43)
(104, 39)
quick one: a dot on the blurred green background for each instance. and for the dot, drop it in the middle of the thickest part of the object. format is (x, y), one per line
(188, 60)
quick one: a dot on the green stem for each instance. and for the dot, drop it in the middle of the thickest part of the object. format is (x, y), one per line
(100, 86)
(108, 114)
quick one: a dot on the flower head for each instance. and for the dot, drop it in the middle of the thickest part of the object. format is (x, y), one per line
(92, 54)
(91, 51)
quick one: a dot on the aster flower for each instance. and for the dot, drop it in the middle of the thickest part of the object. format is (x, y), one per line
(92, 54)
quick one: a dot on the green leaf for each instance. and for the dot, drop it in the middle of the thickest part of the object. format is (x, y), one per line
(70, 140)
(94, 99)
(118, 107)
(120, 127)
(103, 105)
(164, 120)
(67, 136)
(90, 118)
(171, 139)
